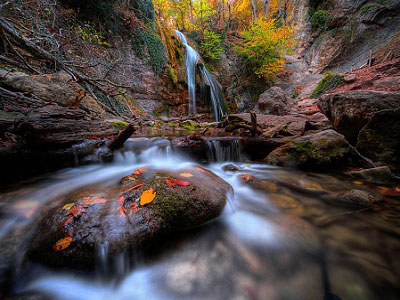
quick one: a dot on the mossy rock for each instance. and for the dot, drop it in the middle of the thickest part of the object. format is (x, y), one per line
(119, 124)
(121, 221)
(323, 149)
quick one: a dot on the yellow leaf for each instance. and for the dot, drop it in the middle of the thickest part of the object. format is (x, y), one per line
(93, 200)
(147, 196)
(186, 175)
(68, 206)
(62, 244)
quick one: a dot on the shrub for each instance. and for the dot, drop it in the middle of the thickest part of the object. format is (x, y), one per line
(210, 46)
(320, 20)
(329, 81)
(142, 39)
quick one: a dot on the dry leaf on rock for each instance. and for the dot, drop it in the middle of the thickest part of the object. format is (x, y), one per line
(62, 244)
(147, 196)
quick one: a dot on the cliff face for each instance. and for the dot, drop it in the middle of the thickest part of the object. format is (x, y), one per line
(337, 36)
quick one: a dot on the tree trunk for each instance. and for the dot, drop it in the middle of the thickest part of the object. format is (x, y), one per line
(266, 7)
(253, 9)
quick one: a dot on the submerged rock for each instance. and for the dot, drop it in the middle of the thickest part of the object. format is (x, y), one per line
(323, 149)
(122, 222)
(353, 199)
(350, 111)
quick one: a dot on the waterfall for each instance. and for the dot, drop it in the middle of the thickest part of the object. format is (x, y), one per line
(191, 61)
(223, 150)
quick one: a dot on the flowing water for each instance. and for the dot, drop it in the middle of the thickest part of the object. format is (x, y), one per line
(270, 243)
(191, 61)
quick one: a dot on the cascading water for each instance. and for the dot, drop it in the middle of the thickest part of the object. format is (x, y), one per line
(191, 61)
(192, 58)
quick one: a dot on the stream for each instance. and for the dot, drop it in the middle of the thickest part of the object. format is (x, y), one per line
(282, 242)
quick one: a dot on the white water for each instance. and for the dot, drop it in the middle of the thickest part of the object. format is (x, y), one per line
(191, 61)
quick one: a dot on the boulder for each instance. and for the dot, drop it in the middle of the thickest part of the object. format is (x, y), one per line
(319, 121)
(118, 221)
(270, 126)
(379, 175)
(323, 149)
(60, 88)
(273, 101)
(56, 126)
(350, 111)
(350, 78)
(380, 138)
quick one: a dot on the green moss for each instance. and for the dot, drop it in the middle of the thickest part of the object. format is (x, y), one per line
(304, 147)
(161, 110)
(329, 81)
(119, 125)
(320, 19)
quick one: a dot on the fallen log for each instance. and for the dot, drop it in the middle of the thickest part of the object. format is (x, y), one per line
(119, 141)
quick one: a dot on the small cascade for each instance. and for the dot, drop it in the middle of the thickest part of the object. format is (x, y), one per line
(191, 61)
(221, 151)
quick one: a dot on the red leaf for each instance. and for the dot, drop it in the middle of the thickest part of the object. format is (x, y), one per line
(121, 200)
(66, 222)
(132, 188)
(170, 182)
(181, 182)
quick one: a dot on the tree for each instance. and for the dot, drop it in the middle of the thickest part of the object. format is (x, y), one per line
(265, 45)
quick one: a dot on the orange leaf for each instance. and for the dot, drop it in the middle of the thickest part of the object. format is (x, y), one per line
(181, 182)
(93, 200)
(170, 182)
(76, 211)
(140, 171)
(62, 244)
(147, 196)
(132, 188)
(186, 175)
(200, 169)
(358, 182)
(247, 177)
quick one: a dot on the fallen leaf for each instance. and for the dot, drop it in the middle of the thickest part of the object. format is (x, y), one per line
(62, 244)
(121, 200)
(181, 182)
(76, 211)
(140, 171)
(170, 182)
(147, 196)
(247, 177)
(68, 206)
(134, 206)
(66, 222)
(186, 175)
(394, 192)
(358, 182)
(201, 170)
(93, 200)
(121, 211)
(133, 188)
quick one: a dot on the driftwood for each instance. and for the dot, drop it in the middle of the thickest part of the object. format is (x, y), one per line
(119, 141)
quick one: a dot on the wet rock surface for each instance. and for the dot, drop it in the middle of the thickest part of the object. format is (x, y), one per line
(378, 175)
(350, 111)
(123, 223)
(323, 149)
(380, 138)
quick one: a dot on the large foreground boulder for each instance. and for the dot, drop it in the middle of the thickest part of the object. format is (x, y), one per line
(273, 101)
(350, 111)
(380, 138)
(323, 149)
(123, 219)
